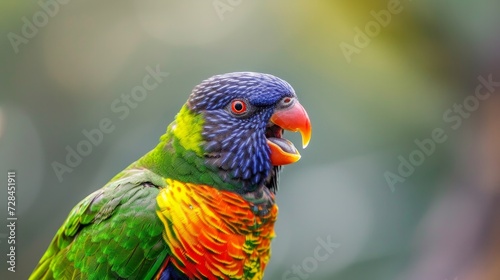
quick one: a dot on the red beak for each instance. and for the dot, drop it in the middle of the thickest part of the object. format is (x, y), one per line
(293, 118)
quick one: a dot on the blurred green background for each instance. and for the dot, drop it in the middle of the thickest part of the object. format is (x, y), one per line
(366, 110)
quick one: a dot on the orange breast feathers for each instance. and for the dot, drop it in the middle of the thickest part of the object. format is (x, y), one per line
(215, 234)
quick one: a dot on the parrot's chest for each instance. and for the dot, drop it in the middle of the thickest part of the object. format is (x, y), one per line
(215, 234)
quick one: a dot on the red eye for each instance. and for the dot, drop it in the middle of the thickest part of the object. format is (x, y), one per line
(238, 107)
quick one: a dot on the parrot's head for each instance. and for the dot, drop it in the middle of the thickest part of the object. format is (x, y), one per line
(243, 117)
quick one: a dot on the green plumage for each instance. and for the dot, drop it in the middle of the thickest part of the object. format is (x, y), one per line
(119, 234)
(178, 155)
(115, 232)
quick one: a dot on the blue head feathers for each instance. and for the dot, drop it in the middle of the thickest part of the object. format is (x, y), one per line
(237, 108)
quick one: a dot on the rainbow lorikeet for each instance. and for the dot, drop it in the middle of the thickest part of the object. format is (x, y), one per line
(201, 204)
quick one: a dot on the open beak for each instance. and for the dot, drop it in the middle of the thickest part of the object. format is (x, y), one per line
(293, 118)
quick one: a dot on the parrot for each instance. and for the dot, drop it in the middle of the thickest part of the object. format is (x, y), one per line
(199, 205)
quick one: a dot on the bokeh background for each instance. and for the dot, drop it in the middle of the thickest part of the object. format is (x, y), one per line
(440, 223)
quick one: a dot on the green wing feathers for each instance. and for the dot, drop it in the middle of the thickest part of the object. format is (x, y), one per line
(113, 233)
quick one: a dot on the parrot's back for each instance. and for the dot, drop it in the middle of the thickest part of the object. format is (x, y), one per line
(113, 233)
(141, 226)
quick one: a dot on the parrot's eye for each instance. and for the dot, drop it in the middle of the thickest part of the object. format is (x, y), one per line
(238, 107)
